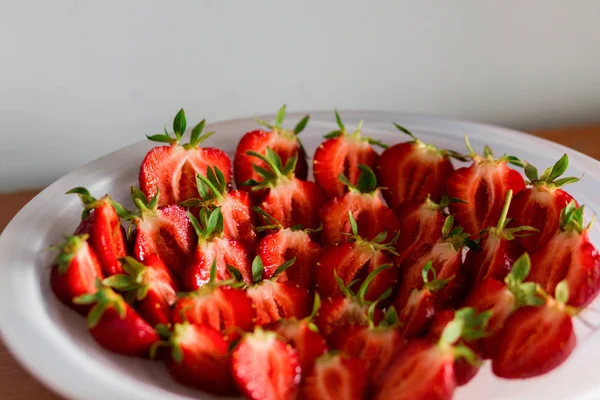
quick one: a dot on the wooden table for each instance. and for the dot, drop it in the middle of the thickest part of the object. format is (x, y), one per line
(16, 384)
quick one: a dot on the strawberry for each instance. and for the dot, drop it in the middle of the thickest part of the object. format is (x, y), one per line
(424, 370)
(283, 244)
(236, 206)
(336, 377)
(540, 204)
(483, 187)
(341, 154)
(221, 305)
(364, 201)
(497, 249)
(101, 221)
(266, 368)
(570, 256)
(75, 271)
(285, 143)
(200, 358)
(213, 247)
(353, 261)
(115, 325)
(164, 231)
(536, 340)
(304, 335)
(414, 171)
(172, 169)
(351, 308)
(151, 285)
(289, 200)
(275, 300)
(419, 309)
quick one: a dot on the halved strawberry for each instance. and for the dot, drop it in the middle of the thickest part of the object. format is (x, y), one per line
(424, 370)
(116, 326)
(569, 255)
(171, 170)
(541, 204)
(483, 187)
(536, 340)
(289, 200)
(75, 271)
(213, 247)
(200, 358)
(150, 285)
(497, 250)
(164, 231)
(282, 141)
(236, 206)
(364, 201)
(341, 154)
(266, 368)
(283, 244)
(413, 171)
(336, 377)
(352, 262)
(101, 220)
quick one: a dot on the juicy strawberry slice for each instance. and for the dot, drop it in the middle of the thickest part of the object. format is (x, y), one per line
(266, 368)
(101, 221)
(282, 141)
(483, 186)
(342, 153)
(171, 170)
(366, 206)
(151, 285)
(75, 271)
(200, 358)
(540, 205)
(336, 377)
(116, 326)
(275, 300)
(569, 256)
(164, 231)
(413, 171)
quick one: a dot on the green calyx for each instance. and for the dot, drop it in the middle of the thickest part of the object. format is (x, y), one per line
(571, 218)
(366, 184)
(179, 126)
(374, 245)
(105, 298)
(278, 126)
(276, 171)
(488, 156)
(362, 290)
(467, 325)
(145, 207)
(90, 203)
(271, 223)
(135, 281)
(500, 230)
(212, 189)
(68, 249)
(525, 293)
(429, 147)
(456, 235)
(209, 224)
(549, 177)
(432, 284)
(258, 269)
(443, 204)
(356, 135)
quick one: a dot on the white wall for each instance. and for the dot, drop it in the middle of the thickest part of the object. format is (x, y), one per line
(81, 78)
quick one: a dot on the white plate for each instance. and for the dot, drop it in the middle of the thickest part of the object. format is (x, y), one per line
(52, 342)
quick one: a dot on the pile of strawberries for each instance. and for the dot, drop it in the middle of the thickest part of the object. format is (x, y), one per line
(391, 276)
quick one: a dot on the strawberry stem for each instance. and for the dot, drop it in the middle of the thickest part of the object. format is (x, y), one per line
(502, 220)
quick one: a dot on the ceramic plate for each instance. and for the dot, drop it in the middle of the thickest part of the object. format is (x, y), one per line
(53, 344)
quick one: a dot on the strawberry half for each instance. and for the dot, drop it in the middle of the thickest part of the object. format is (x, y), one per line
(414, 171)
(341, 154)
(289, 200)
(280, 140)
(116, 326)
(150, 285)
(336, 377)
(236, 206)
(200, 358)
(540, 205)
(364, 201)
(164, 231)
(75, 271)
(483, 187)
(536, 340)
(213, 247)
(266, 368)
(171, 170)
(101, 220)
(352, 262)
(569, 255)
